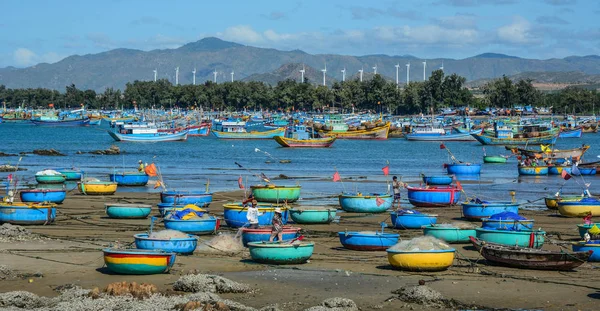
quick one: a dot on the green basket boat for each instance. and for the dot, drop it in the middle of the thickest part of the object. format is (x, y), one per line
(50, 179)
(313, 216)
(524, 238)
(276, 194)
(494, 159)
(281, 253)
(449, 234)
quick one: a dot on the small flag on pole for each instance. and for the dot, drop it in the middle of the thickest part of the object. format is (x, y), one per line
(240, 182)
(442, 146)
(588, 219)
(336, 177)
(9, 177)
(151, 170)
(379, 201)
(386, 170)
(158, 184)
(565, 175)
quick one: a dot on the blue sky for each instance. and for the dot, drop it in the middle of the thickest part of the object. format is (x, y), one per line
(33, 31)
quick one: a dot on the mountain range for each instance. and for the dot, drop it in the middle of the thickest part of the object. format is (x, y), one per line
(117, 67)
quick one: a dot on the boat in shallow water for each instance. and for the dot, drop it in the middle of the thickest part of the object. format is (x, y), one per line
(365, 203)
(129, 178)
(144, 132)
(438, 196)
(378, 133)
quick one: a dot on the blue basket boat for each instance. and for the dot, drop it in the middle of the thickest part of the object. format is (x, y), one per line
(438, 196)
(583, 228)
(368, 241)
(281, 253)
(463, 168)
(414, 220)
(125, 211)
(43, 195)
(593, 246)
(370, 203)
(235, 214)
(591, 170)
(524, 238)
(200, 198)
(131, 179)
(27, 213)
(194, 226)
(70, 173)
(437, 180)
(507, 221)
(557, 170)
(533, 170)
(263, 234)
(449, 234)
(477, 211)
(138, 261)
(173, 245)
(312, 216)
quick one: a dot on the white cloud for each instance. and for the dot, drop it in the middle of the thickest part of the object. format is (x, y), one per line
(242, 33)
(25, 57)
(518, 32)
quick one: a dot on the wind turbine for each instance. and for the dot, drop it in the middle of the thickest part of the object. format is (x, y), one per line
(232, 76)
(177, 75)
(155, 74)
(361, 73)
(343, 74)
(215, 76)
(397, 68)
(375, 70)
(302, 71)
(324, 73)
(407, 73)
(194, 80)
(424, 66)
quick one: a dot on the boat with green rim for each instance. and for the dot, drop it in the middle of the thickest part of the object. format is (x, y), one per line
(281, 253)
(494, 159)
(50, 178)
(276, 194)
(312, 215)
(448, 233)
(524, 238)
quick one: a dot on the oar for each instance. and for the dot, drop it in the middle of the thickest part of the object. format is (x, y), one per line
(300, 238)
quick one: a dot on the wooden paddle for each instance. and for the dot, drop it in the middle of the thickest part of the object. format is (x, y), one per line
(300, 238)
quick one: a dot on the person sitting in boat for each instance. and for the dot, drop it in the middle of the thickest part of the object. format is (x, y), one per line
(141, 166)
(252, 215)
(535, 162)
(277, 226)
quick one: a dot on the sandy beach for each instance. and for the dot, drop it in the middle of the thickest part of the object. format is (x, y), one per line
(69, 252)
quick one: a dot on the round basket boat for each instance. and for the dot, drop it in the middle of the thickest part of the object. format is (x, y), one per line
(313, 216)
(449, 234)
(174, 245)
(276, 194)
(263, 234)
(412, 221)
(583, 246)
(138, 261)
(194, 226)
(583, 228)
(125, 211)
(235, 214)
(431, 260)
(281, 253)
(27, 213)
(368, 241)
(43, 195)
(524, 238)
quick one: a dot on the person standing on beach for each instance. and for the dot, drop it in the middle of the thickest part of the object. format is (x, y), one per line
(277, 223)
(252, 215)
(396, 187)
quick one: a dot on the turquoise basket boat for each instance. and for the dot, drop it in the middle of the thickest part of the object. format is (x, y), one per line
(477, 211)
(138, 261)
(263, 234)
(313, 216)
(281, 253)
(525, 238)
(449, 234)
(50, 179)
(369, 203)
(583, 228)
(131, 179)
(276, 194)
(70, 174)
(235, 214)
(174, 245)
(125, 211)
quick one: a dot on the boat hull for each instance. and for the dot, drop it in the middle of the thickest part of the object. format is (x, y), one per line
(412, 221)
(552, 201)
(43, 195)
(447, 137)
(199, 198)
(494, 159)
(463, 168)
(475, 211)
(235, 214)
(158, 137)
(450, 235)
(276, 194)
(305, 216)
(132, 179)
(280, 253)
(138, 262)
(377, 133)
(586, 247)
(27, 214)
(490, 140)
(50, 179)
(437, 180)
(305, 143)
(375, 241)
(127, 211)
(533, 170)
(434, 260)
(583, 228)
(578, 209)
(365, 203)
(97, 188)
(78, 122)
(576, 133)
(263, 234)
(250, 135)
(194, 226)
(510, 238)
(433, 196)
(184, 246)
(70, 174)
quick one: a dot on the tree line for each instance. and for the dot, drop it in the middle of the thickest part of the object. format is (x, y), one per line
(376, 94)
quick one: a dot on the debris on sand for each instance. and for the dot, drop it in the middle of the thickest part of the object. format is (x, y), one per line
(48, 152)
(2, 154)
(113, 150)
(20, 299)
(10, 168)
(11, 233)
(193, 283)
(335, 304)
(139, 291)
(430, 298)
(197, 305)
(6, 273)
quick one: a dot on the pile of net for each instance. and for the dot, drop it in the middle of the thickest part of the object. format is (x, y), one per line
(457, 225)
(507, 216)
(406, 211)
(167, 234)
(90, 179)
(423, 243)
(222, 243)
(188, 212)
(47, 173)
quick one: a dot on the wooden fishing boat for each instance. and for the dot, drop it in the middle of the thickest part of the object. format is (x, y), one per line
(437, 180)
(412, 220)
(97, 187)
(552, 201)
(129, 179)
(27, 213)
(485, 139)
(579, 208)
(367, 241)
(494, 159)
(449, 234)
(539, 170)
(312, 216)
(530, 258)
(524, 238)
(305, 143)
(431, 260)
(571, 133)
(43, 195)
(264, 233)
(184, 246)
(281, 253)
(377, 133)
(249, 135)
(574, 153)
(200, 198)
(138, 261)
(593, 246)
(477, 211)
(438, 196)
(276, 194)
(463, 168)
(65, 122)
(208, 225)
(369, 203)
(442, 136)
(235, 214)
(127, 211)
(192, 130)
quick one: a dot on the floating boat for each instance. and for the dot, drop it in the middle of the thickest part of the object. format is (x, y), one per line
(27, 213)
(557, 170)
(477, 211)
(547, 152)
(370, 203)
(138, 261)
(431, 260)
(129, 178)
(184, 246)
(438, 196)
(530, 258)
(437, 180)
(70, 173)
(209, 225)
(524, 238)
(463, 168)
(200, 198)
(50, 178)
(237, 130)
(573, 133)
(43, 195)
(276, 194)
(584, 170)
(367, 241)
(412, 220)
(378, 133)
(494, 159)
(263, 234)
(235, 214)
(552, 201)
(281, 253)
(583, 228)
(192, 130)
(312, 216)
(444, 136)
(127, 211)
(97, 187)
(579, 208)
(593, 246)
(486, 139)
(144, 132)
(299, 137)
(533, 170)
(449, 234)
(64, 122)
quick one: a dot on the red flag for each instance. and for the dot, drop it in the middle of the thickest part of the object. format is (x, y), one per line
(379, 201)
(240, 183)
(565, 175)
(336, 177)
(442, 146)
(386, 170)
(588, 219)
(9, 177)
(458, 185)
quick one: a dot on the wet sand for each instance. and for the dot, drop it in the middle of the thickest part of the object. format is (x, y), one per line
(72, 255)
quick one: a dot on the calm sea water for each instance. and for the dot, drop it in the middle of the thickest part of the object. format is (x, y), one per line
(188, 165)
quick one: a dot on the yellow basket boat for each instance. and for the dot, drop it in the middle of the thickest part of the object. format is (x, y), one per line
(432, 260)
(97, 187)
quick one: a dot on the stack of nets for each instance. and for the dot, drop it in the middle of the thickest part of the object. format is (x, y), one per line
(167, 235)
(423, 243)
(222, 243)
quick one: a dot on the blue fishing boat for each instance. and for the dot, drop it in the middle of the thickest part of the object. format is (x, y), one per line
(571, 133)
(263, 234)
(369, 203)
(437, 180)
(368, 241)
(448, 233)
(523, 238)
(280, 253)
(592, 245)
(144, 132)
(438, 196)
(463, 168)
(138, 261)
(208, 225)
(486, 139)
(200, 198)
(441, 136)
(63, 122)
(584, 170)
(533, 170)
(70, 173)
(27, 213)
(237, 130)
(129, 178)
(173, 245)
(507, 221)
(235, 214)
(557, 170)
(484, 209)
(43, 195)
(312, 216)
(127, 211)
(411, 219)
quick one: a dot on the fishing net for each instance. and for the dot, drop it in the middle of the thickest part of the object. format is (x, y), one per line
(407, 211)
(47, 173)
(90, 179)
(423, 243)
(167, 235)
(507, 216)
(222, 243)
